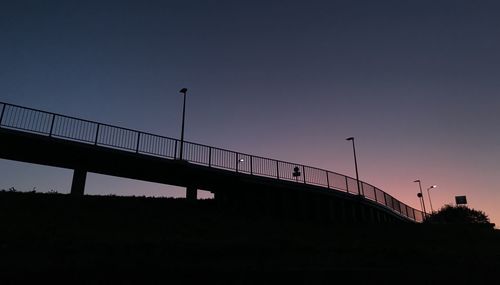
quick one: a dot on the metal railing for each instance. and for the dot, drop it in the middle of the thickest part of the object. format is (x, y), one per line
(104, 135)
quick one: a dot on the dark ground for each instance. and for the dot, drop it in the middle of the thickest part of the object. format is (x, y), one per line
(133, 240)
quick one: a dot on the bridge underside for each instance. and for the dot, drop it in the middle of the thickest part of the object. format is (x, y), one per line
(233, 190)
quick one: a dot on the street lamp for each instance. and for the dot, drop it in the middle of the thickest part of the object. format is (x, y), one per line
(360, 192)
(183, 91)
(421, 196)
(428, 194)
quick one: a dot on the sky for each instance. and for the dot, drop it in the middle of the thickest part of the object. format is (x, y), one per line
(416, 82)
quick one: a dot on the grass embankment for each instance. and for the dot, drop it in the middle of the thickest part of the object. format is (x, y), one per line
(173, 237)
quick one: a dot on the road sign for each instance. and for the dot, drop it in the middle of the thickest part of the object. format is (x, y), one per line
(461, 200)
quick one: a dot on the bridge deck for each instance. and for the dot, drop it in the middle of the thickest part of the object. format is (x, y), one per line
(40, 137)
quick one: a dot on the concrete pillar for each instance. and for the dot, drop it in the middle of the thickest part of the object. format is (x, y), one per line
(78, 184)
(191, 193)
(220, 198)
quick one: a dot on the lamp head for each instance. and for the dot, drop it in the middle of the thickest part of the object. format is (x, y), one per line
(183, 90)
(349, 139)
(418, 180)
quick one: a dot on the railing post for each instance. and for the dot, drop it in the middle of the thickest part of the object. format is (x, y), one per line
(346, 184)
(138, 140)
(181, 151)
(209, 156)
(175, 150)
(97, 134)
(3, 111)
(327, 179)
(52, 125)
(237, 161)
(251, 165)
(277, 170)
(304, 173)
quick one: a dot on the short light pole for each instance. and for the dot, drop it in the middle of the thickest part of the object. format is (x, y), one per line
(428, 194)
(421, 205)
(360, 192)
(183, 91)
(421, 196)
(296, 173)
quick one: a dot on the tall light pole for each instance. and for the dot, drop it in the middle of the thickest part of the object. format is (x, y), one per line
(183, 91)
(428, 194)
(421, 196)
(360, 192)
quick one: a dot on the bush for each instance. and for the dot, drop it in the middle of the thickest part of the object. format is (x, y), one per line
(459, 215)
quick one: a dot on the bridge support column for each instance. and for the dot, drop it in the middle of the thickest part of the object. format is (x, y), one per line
(78, 184)
(191, 193)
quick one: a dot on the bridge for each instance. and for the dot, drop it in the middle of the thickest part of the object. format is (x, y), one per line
(237, 179)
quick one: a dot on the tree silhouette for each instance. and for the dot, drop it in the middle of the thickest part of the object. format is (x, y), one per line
(450, 214)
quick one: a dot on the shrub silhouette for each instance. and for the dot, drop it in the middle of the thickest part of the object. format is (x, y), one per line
(462, 215)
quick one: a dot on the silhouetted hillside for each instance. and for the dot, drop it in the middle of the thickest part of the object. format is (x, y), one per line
(117, 240)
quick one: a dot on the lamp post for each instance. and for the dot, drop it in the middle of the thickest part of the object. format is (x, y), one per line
(360, 192)
(428, 194)
(183, 91)
(421, 196)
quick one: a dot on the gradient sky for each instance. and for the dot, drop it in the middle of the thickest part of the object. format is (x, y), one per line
(416, 82)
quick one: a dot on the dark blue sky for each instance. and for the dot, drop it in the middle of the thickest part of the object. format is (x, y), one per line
(416, 82)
